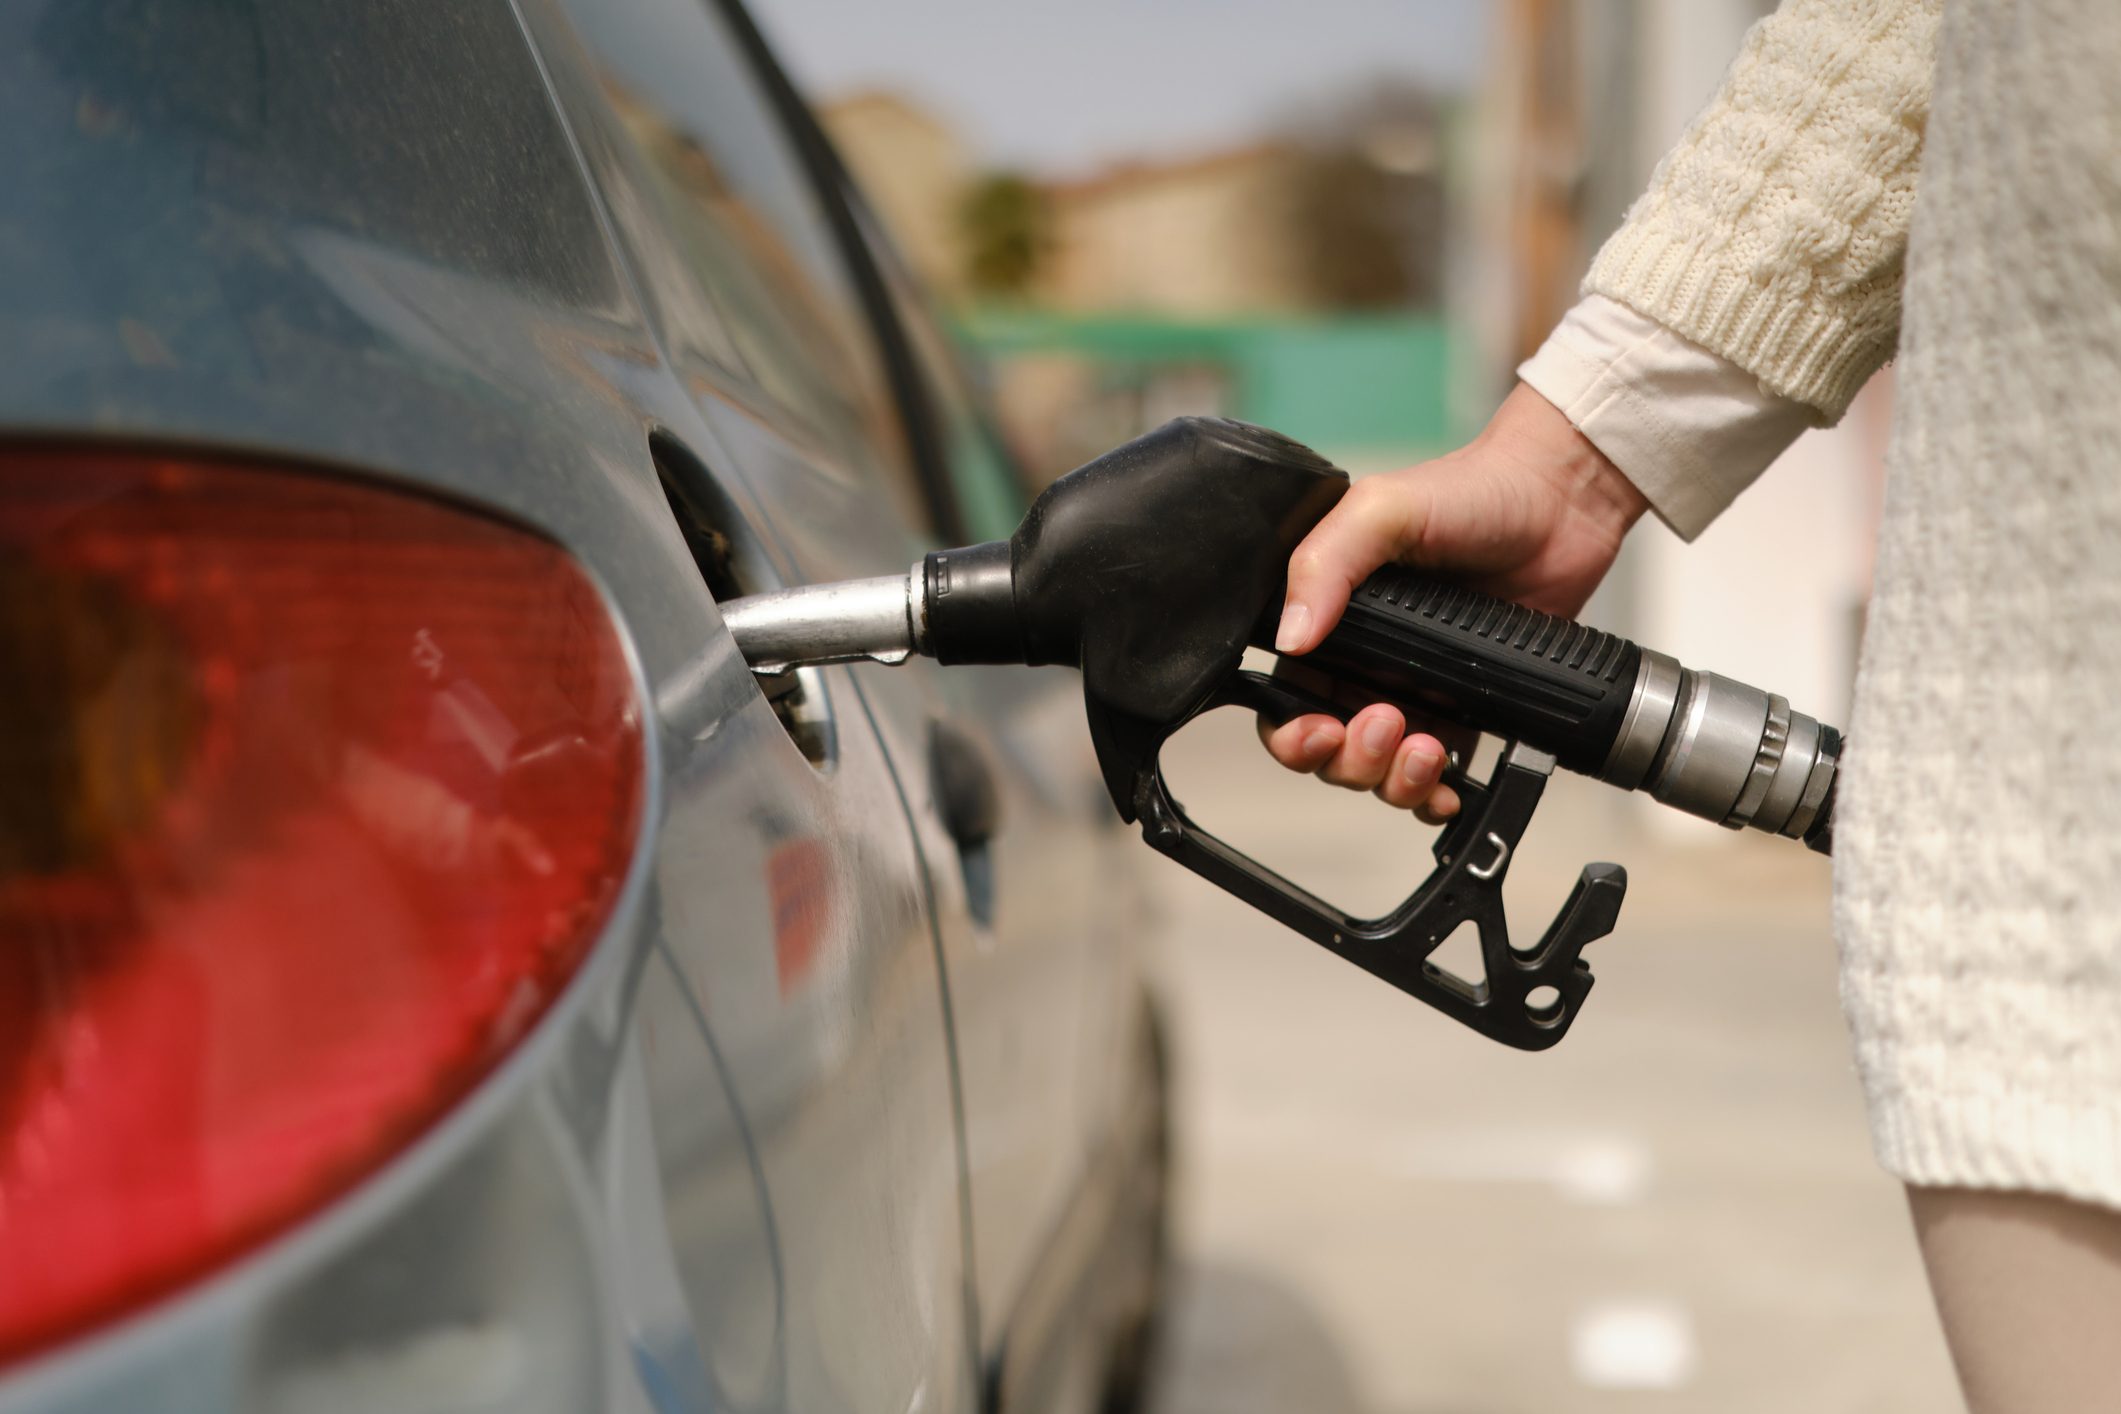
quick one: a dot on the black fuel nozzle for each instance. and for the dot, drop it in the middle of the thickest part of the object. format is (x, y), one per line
(1155, 566)
(1149, 568)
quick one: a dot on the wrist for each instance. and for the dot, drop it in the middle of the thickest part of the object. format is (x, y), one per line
(1532, 432)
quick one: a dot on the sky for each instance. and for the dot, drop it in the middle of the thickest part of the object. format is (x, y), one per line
(1066, 86)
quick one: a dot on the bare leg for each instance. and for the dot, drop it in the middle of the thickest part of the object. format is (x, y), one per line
(2029, 1290)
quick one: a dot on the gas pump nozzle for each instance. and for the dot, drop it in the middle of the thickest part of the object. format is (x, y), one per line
(1155, 566)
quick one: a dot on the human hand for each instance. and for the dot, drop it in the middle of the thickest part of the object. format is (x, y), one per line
(1529, 511)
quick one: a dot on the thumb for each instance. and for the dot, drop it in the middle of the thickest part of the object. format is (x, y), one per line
(1373, 525)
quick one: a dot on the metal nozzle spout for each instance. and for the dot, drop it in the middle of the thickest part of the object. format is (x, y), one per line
(856, 620)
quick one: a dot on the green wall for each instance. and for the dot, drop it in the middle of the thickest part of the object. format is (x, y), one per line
(1356, 385)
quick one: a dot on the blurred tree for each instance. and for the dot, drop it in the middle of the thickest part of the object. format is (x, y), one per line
(1008, 230)
(1370, 197)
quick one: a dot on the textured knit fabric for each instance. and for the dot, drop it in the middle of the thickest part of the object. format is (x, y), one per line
(1774, 232)
(1979, 879)
(1978, 845)
(1689, 427)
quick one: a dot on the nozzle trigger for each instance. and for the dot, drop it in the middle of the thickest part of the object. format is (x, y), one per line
(1473, 855)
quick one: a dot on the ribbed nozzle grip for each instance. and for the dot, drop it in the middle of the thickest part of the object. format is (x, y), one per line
(1471, 658)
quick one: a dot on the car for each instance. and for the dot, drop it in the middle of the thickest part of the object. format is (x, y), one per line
(435, 972)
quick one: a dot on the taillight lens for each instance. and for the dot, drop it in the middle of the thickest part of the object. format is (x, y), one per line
(312, 796)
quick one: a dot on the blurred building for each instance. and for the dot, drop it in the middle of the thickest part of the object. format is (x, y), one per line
(1279, 227)
(1291, 283)
(915, 171)
(1214, 235)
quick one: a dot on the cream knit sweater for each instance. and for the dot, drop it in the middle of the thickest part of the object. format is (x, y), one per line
(1978, 854)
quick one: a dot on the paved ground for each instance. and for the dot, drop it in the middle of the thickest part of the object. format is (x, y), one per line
(1382, 1213)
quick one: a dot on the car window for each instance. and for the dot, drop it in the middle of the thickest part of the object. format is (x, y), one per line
(738, 199)
(984, 479)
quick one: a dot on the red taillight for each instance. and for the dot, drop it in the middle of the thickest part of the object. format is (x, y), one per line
(312, 796)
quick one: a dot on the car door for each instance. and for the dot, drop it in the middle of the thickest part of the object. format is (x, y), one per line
(1046, 966)
(828, 441)
(1033, 880)
(835, 1274)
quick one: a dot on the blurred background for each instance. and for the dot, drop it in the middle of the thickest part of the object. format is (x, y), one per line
(1350, 220)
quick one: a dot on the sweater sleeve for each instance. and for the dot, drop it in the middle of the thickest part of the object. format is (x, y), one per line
(1773, 234)
(1689, 428)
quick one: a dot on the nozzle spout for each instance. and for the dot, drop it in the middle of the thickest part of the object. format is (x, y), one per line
(851, 621)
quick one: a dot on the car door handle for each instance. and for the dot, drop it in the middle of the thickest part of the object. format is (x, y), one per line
(970, 805)
(963, 781)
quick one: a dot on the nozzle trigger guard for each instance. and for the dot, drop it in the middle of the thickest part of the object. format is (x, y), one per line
(1473, 855)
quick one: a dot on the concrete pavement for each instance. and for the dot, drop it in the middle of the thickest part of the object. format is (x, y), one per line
(1382, 1213)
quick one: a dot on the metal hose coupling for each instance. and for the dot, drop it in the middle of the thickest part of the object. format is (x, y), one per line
(1726, 751)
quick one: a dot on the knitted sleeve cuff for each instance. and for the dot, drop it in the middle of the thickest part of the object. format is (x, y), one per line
(1815, 351)
(2070, 1146)
(1775, 232)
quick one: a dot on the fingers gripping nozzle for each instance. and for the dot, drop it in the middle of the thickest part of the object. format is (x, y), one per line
(1602, 706)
